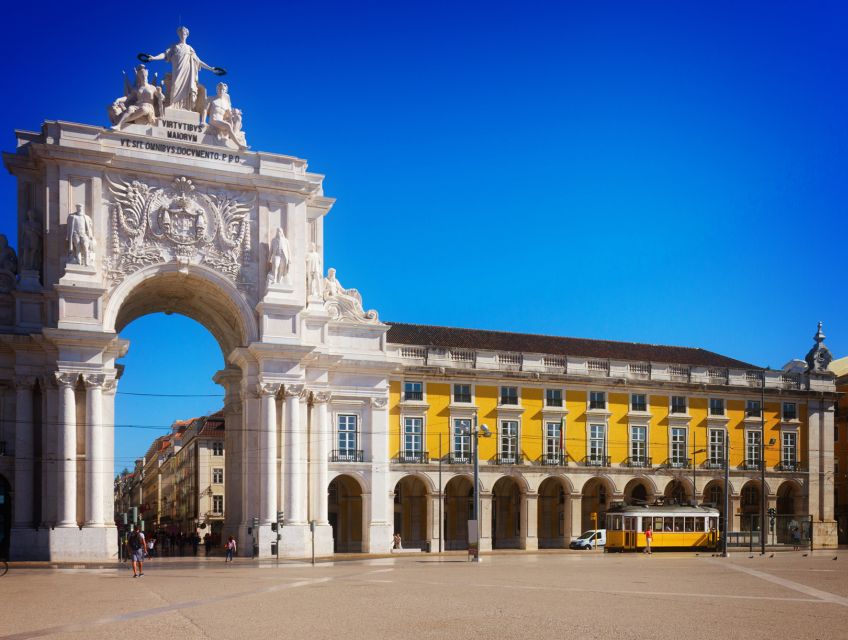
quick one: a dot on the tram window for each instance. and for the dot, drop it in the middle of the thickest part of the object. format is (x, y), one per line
(713, 524)
(646, 522)
(699, 524)
(628, 523)
(668, 523)
(690, 524)
(616, 523)
(658, 524)
(678, 523)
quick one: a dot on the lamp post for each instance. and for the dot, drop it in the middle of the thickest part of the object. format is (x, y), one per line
(694, 486)
(726, 491)
(475, 433)
(763, 462)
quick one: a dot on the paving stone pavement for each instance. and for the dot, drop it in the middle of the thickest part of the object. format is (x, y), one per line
(544, 595)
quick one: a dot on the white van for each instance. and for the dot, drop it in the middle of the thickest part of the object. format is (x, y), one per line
(590, 539)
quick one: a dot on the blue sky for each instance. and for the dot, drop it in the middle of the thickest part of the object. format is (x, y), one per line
(639, 171)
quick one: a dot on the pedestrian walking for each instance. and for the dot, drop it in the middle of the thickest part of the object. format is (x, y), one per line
(396, 542)
(137, 548)
(207, 544)
(649, 536)
(151, 544)
(796, 539)
(230, 548)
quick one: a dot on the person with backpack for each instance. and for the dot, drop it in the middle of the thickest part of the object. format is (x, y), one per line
(137, 547)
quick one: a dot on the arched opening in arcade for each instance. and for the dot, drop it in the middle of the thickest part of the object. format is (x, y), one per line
(597, 494)
(790, 511)
(554, 514)
(411, 512)
(459, 505)
(5, 516)
(638, 492)
(750, 506)
(714, 496)
(170, 431)
(506, 514)
(678, 492)
(344, 511)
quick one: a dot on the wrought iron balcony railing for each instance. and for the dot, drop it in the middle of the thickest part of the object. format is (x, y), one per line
(638, 461)
(511, 458)
(347, 455)
(677, 463)
(459, 458)
(556, 459)
(789, 466)
(752, 465)
(596, 461)
(413, 457)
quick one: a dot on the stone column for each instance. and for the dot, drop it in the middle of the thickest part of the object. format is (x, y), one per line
(382, 502)
(295, 495)
(268, 452)
(319, 445)
(576, 515)
(49, 466)
(529, 521)
(234, 467)
(436, 523)
(94, 449)
(107, 451)
(24, 452)
(67, 451)
(485, 521)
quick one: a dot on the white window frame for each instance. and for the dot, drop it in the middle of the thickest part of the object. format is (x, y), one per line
(713, 460)
(217, 472)
(217, 498)
(673, 445)
(465, 452)
(748, 403)
(217, 448)
(685, 403)
(638, 459)
(591, 453)
(470, 390)
(710, 407)
(404, 435)
(750, 461)
(589, 401)
(513, 442)
(423, 391)
(517, 395)
(647, 403)
(554, 444)
(783, 406)
(349, 453)
(783, 447)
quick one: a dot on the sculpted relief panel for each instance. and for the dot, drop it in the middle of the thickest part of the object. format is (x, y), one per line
(154, 223)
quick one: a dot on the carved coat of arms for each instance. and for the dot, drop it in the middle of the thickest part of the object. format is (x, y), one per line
(153, 224)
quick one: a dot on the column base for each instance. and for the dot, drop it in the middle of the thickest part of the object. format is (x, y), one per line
(65, 544)
(323, 540)
(296, 541)
(265, 542)
(380, 538)
(825, 535)
(530, 543)
(485, 544)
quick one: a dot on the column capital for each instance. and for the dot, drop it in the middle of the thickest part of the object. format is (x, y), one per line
(65, 379)
(321, 397)
(298, 390)
(265, 389)
(379, 403)
(94, 380)
(24, 382)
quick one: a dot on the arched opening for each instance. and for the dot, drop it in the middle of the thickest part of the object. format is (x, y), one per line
(344, 510)
(750, 507)
(714, 496)
(5, 516)
(597, 493)
(638, 492)
(790, 499)
(677, 492)
(554, 514)
(506, 514)
(411, 500)
(459, 504)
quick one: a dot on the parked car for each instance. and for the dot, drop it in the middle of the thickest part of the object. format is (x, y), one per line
(588, 539)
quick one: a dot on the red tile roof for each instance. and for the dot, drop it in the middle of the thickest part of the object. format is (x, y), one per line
(428, 335)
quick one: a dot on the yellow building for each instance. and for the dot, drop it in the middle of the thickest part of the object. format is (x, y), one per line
(578, 425)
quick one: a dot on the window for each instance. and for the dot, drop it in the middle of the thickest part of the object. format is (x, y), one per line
(217, 504)
(752, 448)
(789, 450)
(678, 447)
(638, 402)
(462, 439)
(553, 440)
(597, 444)
(413, 390)
(597, 400)
(716, 406)
(638, 444)
(716, 448)
(509, 395)
(508, 441)
(753, 409)
(218, 476)
(462, 393)
(678, 404)
(790, 411)
(413, 433)
(217, 448)
(553, 397)
(347, 437)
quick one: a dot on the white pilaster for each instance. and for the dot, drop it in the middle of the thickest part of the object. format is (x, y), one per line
(295, 494)
(94, 450)
(381, 512)
(67, 492)
(529, 521)
(268, 447)
(24, 452)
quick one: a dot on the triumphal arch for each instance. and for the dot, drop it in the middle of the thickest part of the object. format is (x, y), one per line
(168, 209)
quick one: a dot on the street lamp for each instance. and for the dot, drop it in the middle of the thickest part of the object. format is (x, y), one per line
(475, 432)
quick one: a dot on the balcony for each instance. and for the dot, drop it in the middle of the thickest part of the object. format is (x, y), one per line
(638, 462)
(459, 458)
(413, 396)
(511, 458)
(552, 459)
(789, 466)
(413, 457)
(751, 465)
(677, 463)
(596, 461)
(347, 455)
(713, 464)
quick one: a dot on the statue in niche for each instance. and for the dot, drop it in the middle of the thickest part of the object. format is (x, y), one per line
(279, 258)
(344, 303)
(81, 242)
(314, 277)
(225, 121)
(184, 91)
(142, 103)
(31, 240)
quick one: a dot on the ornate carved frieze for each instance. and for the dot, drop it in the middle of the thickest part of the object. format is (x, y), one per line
(295, 391)
(66, 379)
(379, 403)
(156, 223)
(265, 389)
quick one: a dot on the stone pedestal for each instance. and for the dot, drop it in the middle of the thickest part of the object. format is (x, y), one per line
(296, 541)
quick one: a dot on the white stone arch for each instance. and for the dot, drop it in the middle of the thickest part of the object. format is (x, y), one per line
(360, 477)
(195, 291)
(647, 481)
(429, 484)
(562, 478)
(614, 490)
(518, 478)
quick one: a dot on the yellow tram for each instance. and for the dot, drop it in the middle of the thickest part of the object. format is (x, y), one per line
(673, 527)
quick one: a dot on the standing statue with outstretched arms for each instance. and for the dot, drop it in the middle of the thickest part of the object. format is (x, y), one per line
(185, 66)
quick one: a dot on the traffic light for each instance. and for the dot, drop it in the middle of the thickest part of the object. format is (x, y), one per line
(273, 526)
(133, 514)
(772, 513)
